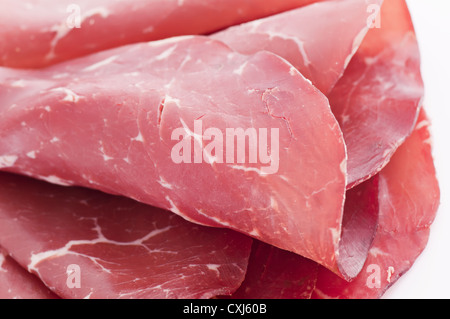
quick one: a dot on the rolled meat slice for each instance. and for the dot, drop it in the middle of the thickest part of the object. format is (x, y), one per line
(85, 244)
(40, 33)
(165, 121)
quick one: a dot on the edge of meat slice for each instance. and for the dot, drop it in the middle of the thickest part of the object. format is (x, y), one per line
(319, 39)
(40, 33)
(378, 99)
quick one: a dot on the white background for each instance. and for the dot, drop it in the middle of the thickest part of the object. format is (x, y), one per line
(429, 278)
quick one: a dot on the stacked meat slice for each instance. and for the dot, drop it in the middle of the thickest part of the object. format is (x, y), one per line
(148, 201)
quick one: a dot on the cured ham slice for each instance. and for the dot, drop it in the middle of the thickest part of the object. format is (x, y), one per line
(274, 273)
(107, 122)
(86, 244)
(17, 283)
(377, 101)
(40, 33)
(408, 195)
(319, 48)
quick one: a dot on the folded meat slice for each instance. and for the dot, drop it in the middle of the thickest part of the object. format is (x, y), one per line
(83, 243)
(377, 101)
(277, 274)
(319, 39)
(115, 120)
(409, 197)
(39, 33)
(17, 283)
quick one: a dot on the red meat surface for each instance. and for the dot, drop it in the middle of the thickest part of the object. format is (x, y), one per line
(85, 244)
(40, 33)
(17, 283)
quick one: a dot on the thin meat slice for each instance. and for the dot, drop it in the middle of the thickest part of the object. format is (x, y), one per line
(17, 283)
(86, 244)
(377, 101)
(319, 39)
(409, 197)
(114, 121)
(407, 193)
(39, 33)
(277, 274)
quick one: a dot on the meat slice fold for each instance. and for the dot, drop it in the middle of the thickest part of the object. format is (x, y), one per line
(377, 100)
(134, 120)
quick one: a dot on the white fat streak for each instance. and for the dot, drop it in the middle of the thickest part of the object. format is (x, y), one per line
(164, 183)
(102, 150)
(214, 267)
(18, 84)
(248, 169)
(375, 252)
(173, 208)
(138, 138)
(52, 179)
(31, 154)
(100, 64)
(70, 95)
(8, 160)
(35, 259)
(166, 53)
(240, 70)
(300, 44)
(215, 219)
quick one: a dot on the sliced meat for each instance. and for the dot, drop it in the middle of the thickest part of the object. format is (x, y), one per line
(39, 33)
(409, 198)
(378, 97)
(407, 193)
(277, 274)
(86, 244)
(377, 101)
(114, 121)
(320, 48)
(17, 283)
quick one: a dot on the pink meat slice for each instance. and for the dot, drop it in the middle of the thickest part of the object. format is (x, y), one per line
(120, 248)
(107, 121)
(319, 39)
(39, 33)
(17, 283)
(377, 101)
(277, 274)
(409, 197)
